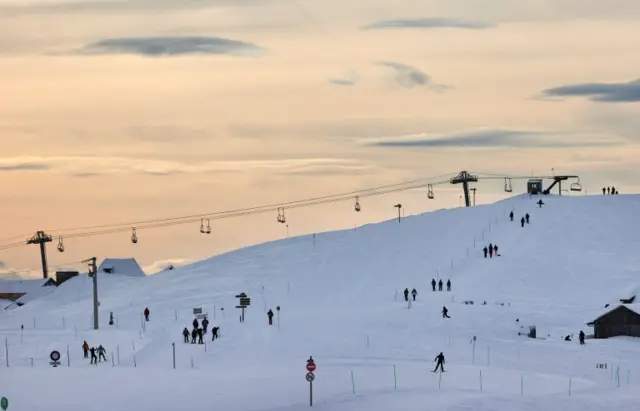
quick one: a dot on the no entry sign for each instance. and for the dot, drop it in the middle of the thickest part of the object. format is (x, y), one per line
(311, 366)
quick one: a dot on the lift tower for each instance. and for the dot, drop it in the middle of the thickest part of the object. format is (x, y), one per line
(42, 238)
(465, 178)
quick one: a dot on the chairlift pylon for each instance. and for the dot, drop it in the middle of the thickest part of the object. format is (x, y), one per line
(60, 245)
(134, 236)
(507, 185)
(281, 218)
(430, 195)
(357, 205)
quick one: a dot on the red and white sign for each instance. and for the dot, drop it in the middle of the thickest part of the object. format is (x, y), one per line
(311, 366)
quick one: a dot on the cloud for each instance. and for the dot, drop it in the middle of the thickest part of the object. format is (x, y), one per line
(426, 23)
(22, 166)
(162, 265)
(342, 82)
(2, 264)
(408, 77)
(601, 92)
(171, 46)
(93, 166)
(165, 134)
(490, 138)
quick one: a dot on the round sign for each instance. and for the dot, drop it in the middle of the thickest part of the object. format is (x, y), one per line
(311, 366)
(55, 356)
(4, 403)
(310, 377)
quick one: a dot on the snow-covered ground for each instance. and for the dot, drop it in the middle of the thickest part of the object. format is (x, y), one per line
(341, 301)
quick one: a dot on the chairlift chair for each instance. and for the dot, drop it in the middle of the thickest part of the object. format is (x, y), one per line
(430, 195)
(357, 205)
(576, 186)
(202, 230)
(60, 245)
(134, 236)
(208, 229)
(507, 185)
(281, 218)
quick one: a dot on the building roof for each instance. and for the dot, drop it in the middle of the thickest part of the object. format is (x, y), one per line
(23, 286)
(631, 307)
(121, 266)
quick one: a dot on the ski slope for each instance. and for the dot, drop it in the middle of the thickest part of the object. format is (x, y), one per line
(341, 301)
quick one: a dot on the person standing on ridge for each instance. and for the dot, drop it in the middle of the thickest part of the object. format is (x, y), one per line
(146, 314)
(185, 334)
(485, 251)
(406, 294)
(433, 284)
(613, 190)
(205, 324)
(526, 217)
(440, 285)
(414, 293)
(439, 362)
(522, 222)
(511, 215)
(581, 337)
(85, 349)
(448, 285)
(270, 315)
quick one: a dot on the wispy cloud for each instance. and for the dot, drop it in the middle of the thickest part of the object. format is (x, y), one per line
(491, 139)
(409, 77)
(426, 23)
(171, 46)
(95, 166)
(602, 92)
(342, 81)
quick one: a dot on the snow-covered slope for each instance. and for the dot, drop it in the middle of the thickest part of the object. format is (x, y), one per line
(341, 301)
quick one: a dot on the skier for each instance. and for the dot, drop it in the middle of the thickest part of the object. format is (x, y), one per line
(146, 314)
(414, 293)
(439, 363)
(448, 285)
(440, 285)
(101, 353)
(604, 191)
(490, 250)
(526, 217)
(485, 251)
(433, 284)
(85, 349)
(511, 215)
(581, 337)
(195, 323)
(214, 332)
(495, 250)
(608, 190)
(270, 315)
(445, 312)
(185, 334)
(94, 359)
(540, 203)
(522, 222)
(200, 335)
(111, 318)
(194, 335)
(613, 190)
(406, 294)
(205, 324)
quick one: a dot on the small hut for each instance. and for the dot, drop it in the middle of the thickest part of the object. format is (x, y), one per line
(622, 320)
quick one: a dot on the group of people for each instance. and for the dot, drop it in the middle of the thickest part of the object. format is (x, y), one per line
(93, 350)
(414, 293)
(440, 284)
(525, 218)
(609, 190)
(492, 250)
(198, 333)
(580, 337)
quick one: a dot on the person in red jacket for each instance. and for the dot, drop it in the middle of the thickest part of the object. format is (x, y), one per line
(146, 314)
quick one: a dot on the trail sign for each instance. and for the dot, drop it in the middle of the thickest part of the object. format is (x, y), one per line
(55, 357)
(4, 403)
(244, 303)
(197, 310)
(310, 377)
(311, 366)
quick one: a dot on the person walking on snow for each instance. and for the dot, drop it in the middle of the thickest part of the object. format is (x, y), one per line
(490, 250)
(522, 222)
(440, 285)
(608, 190)
(495, 250)
(433, 284)
(485, 251)
(195, 323)
(146, 314)
(445, 312)
(205, 324)
(414, 293)
(526, 217)
(511, 215)
(270, 315)
(448, 285)
(200, 335)
(94, 359)
(214, 332)
(85, 349)
(101, 353)
(613, 190)
(194, 335)
(185, 335)
(581, 337)
(406, 294)
(439, 362)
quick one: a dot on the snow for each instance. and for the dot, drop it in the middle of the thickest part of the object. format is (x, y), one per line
(341, 301)
(121, 266)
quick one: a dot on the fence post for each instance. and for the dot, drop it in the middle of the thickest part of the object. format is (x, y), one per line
(353, 383)
(113, 363)
(488, 356)
(522, 385)
(68, 357)
(118, 353)
(6, 349)
(174, 355)
(395, 379)
(480, 380)
(569, 386)
(440, 379)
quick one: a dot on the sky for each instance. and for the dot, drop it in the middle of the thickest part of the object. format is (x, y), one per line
(116, 111)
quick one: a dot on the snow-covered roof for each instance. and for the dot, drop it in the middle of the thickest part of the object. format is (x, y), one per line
(22, 286)
(121, 266)
(631, 307)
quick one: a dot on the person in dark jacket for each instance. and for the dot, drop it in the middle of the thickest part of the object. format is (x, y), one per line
(94, 359)
(604, 191)
(526, 217)
(522, 222)
(490, 250)
(439, 362)
(270, 315)
(511, 215)
(195, 323)
(406, 294)
(214, 333)
(414, 292)
(485, 251)
(440, 285)
(448, 285)
(433, 284)
(101, 353)
(185, 334)
(445, 312)
(581, 337)
(200, 336)
(495, 250)
(613, 190)
(194, 335)
(205, 324)
(146, 314)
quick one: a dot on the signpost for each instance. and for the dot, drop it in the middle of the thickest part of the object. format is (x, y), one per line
(55, 357)
(245, 301)
(4, 403)
(278, 310)
(311, 367)
(197, 311)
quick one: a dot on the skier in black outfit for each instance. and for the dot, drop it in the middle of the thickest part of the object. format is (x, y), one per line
(448, 285)
(485, 251)
(406, 294)
(604, 191)
(195, 323)
(200, 335)
(526, 217)
(440, 285)
(205, 324)
(490, 250)
(101, 352)
(194, 335)
(445, 312)
(94, 359)
(522, 222)
(608, 190)
(495, 250)
(613, 190)
(439, 363)
(270, 315)
(185, 334)
(511, 215)
(214, 332)
(433, 284)
(581, 337)
(414, 293)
